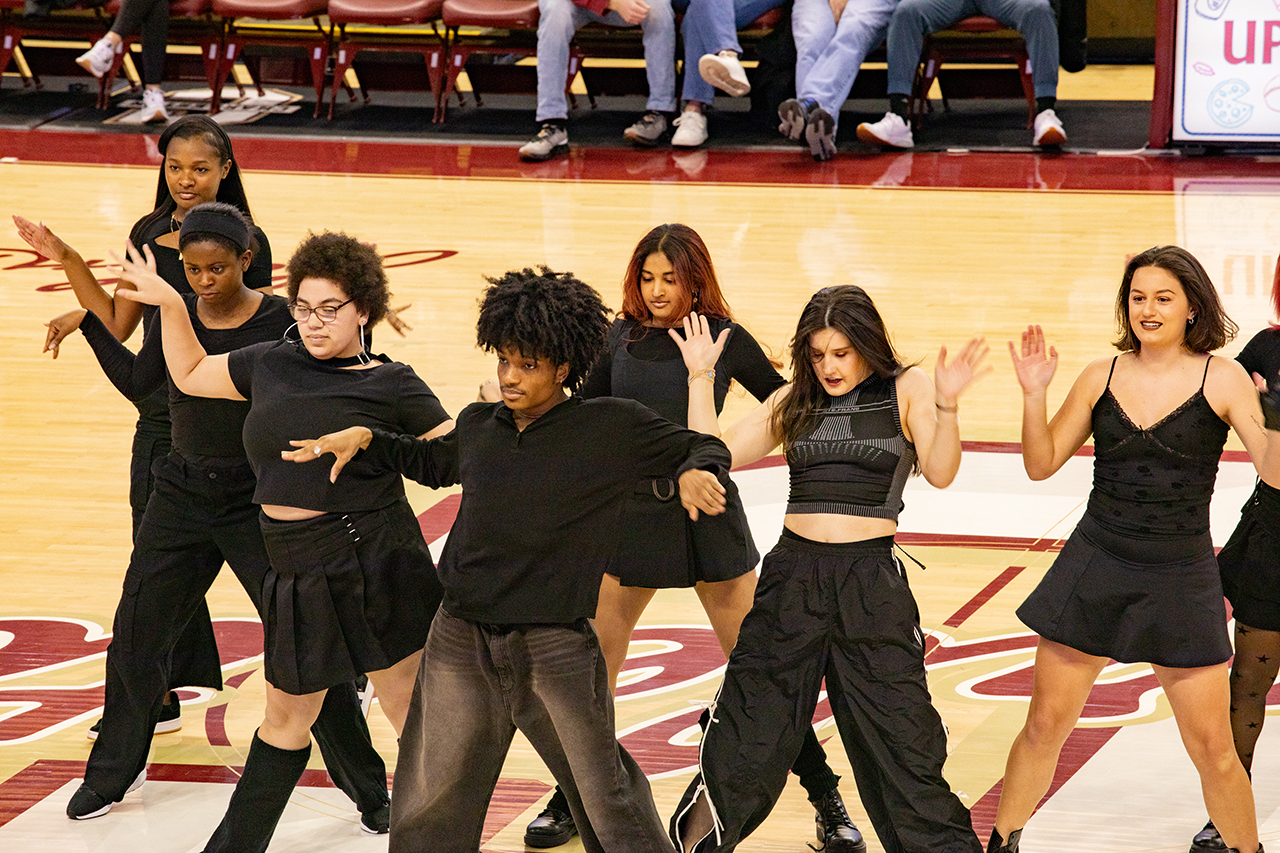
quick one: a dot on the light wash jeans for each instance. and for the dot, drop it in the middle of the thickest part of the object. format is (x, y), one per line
(476, 685)
(557, 22)
(711, 26)
(916, 19)
(828, 55)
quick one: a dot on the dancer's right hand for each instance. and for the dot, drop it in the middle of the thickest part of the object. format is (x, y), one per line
(1033, 366)
(343, 445)
(61, 326)
(39, 237)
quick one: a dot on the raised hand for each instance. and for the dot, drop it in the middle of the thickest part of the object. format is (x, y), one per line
(396, 322)
(1033, 367)
(61, 326)
(950, 380)
(701, 351)
(343, 445)
(138, 272)
(40, 238)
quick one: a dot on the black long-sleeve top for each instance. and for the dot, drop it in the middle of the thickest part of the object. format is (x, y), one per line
(201, 426)
(538, 524)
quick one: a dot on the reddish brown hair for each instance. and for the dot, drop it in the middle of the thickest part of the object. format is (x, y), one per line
(693, 270)
(1275, 294)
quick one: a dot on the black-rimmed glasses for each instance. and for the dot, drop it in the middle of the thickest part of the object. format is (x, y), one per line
(326, 313)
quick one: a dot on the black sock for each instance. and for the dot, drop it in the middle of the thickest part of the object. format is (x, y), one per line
(1043, 104)
(898, 105)
(558, 801)
(558, 123)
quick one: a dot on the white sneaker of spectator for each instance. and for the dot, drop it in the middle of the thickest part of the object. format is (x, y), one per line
(97, 59)
(1048, 129)
(153, 106)
(725, 72)
(691, 130)
(892, 130)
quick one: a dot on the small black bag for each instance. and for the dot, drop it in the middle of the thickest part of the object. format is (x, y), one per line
(1073, 34)
(773, 80)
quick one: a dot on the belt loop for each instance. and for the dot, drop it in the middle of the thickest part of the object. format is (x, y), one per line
(671, 488)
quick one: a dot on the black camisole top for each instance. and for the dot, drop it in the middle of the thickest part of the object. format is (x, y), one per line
(1155, 482)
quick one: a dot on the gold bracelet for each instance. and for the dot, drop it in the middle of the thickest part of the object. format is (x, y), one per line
(950, 410)
(709, 372)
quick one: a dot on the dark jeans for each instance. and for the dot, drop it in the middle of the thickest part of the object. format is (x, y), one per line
(199, 516)
(842, 612)
(479, 683)
(151, 18)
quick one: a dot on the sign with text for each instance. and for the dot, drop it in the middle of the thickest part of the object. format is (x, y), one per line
(1227, 71)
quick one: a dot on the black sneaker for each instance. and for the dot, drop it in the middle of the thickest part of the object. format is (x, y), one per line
(87, 803)
(836, 833)
(170, 719)
(551, 828)
(793, 115)
(647, 130)
(820, 133)
(377, 821)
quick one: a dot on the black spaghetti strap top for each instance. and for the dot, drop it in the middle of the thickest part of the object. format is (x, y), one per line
(1155, 482)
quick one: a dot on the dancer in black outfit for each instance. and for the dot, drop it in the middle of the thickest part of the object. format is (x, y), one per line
(670, 274)
(200, 514)
(1249, 565)
(1137, 580)
(833, 603)
(351, 587)
(545, 478)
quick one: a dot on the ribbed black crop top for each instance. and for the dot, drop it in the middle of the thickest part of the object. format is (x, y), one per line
(856, 459)
(1155, 482)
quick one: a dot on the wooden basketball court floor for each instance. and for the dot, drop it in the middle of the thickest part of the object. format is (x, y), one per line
(943, 263)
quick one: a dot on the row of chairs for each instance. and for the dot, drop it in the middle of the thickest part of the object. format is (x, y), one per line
(447, 33)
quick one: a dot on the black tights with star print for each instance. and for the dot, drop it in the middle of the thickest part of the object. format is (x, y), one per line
(1254, 670)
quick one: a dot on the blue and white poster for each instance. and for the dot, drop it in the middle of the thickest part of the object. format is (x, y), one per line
(1226, 85)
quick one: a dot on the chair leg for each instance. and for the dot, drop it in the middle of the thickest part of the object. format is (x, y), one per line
(226, 61)
(457, 61)
(1028, 86)
(344, 56)
(319, 58)
(435, 74)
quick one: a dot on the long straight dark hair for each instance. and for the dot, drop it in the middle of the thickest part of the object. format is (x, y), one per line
(230, 190)
(849, 310)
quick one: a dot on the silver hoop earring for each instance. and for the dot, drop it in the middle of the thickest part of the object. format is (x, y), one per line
(1191, 321)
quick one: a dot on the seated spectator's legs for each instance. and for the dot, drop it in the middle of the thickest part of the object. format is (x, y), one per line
(861, 28)
(558, 20)
(659, 36)
(813, 27)
(151, 18)
(1039, 27)
(708, 28)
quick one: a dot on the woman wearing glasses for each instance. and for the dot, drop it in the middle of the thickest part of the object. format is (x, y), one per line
(351, 587)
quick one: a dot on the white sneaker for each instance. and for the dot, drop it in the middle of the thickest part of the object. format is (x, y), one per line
(691, 130)
(1048, 129)
(892, 130)
(552, 140)
(153, 106)
(724, 71)
(97, 59)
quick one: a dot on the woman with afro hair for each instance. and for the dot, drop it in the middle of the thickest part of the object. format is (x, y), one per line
(545, 476)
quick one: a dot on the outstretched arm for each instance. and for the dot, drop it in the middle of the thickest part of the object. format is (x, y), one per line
(932, 415)
(194, 371)
(120, 318)
(1047, 445)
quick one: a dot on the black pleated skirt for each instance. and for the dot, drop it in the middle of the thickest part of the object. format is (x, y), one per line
(1250, 562)
(346, 594)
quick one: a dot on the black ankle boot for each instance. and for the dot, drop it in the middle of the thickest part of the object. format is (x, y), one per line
(1000, 845)
(553, 826)
(836, 832)
(270, 775)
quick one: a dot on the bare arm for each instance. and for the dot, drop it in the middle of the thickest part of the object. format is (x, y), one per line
(120, 317)
(1047, 445)
(1234, 395)
(194, 371)
(932, 411)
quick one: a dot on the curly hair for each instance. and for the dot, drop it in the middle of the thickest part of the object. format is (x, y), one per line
(354, 266)
(546, 315)
(1211, 329)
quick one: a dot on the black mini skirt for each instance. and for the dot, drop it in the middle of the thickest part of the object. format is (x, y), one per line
(1250, 562)
(1157, 601)
(346, 594)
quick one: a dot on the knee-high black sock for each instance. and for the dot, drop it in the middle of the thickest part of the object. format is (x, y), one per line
(270, 775)
(812, 769)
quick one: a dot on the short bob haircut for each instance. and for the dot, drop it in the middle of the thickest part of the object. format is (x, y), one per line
(353, 266)
(544, 315)
(848, 310)
(693, 271)
(1212, 329)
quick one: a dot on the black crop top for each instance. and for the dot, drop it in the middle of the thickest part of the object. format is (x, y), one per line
(1155, 482)
(296, 396)
(202, 426)
(856, 459)
(643, 363)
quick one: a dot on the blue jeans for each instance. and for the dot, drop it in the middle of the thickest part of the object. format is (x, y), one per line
(711, 26)
(557, 22)
(916, 19)
(828, 55)
(479, 683)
